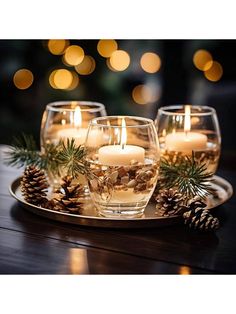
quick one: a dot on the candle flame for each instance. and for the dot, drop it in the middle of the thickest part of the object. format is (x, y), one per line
(187, 121)
(123, 134)
(77, 117)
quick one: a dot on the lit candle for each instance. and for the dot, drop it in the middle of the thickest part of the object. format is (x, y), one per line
(121, 155)
(79, 133)
(186, 141)
(76, 132)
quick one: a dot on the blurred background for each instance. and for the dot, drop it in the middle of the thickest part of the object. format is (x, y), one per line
(133, 77)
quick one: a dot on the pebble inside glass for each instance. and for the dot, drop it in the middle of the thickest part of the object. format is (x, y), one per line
(124, 166)
(184, 128)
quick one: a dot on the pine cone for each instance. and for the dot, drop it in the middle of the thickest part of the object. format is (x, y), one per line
(199, 218)
(194, 203)
(169, 202)
(67, 196)
(34, 186)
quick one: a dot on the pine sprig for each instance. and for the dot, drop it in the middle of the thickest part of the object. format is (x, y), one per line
(49, 159)
(55, 159)
(72, 158)
(23, 152)
(186, 174)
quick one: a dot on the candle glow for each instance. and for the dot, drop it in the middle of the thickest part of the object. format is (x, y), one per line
(186, 141)
(122, 154)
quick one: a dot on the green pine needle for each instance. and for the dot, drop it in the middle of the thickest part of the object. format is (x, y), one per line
(55, 159)
(188, 175)
(23, 152)
(72, 158)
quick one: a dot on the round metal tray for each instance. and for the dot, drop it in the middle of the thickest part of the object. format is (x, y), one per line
(90, 217)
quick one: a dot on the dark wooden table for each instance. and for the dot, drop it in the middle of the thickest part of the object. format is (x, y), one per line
(30, 244)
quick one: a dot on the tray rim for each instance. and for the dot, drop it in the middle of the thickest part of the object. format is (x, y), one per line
(99, 221)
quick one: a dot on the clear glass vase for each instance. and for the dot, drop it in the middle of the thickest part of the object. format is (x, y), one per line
(183, 129)
(68, 119)
(124, 164)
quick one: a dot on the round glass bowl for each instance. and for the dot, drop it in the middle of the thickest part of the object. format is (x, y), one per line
(68, 119)
(183, 129)
(124, 164)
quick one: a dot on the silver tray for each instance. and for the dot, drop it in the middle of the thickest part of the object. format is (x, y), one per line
(90, 217)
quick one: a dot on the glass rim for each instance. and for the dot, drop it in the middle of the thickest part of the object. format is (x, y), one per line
(148, 121)
(57, 106)
(166, 110)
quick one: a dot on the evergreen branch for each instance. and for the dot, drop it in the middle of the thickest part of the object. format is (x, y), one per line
(49, 159)
(23, 152)
(54, 159)
(72, 158)
(188, 175)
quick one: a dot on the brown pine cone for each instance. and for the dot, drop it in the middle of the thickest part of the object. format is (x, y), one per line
(197, 217)
(201, 219)
(170, 202)
(34, 186)
(67, 196)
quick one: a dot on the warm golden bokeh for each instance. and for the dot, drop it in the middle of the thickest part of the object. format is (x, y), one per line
(215, 72)
(57, 46)
(202, 60)
(51, 79)
(23, 78)
(120, 60)
(78, 261)
(74, 55)
(87, 66)
(108, 63)
(75, 81)
(106, 47)
(145, 94)
(61, 79)
(184, 270)
(150, 62)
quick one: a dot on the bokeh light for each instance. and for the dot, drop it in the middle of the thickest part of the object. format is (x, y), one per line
(145, 94)
(215, 72)
(61, 79)
(57, 46)
(150, 62)
(51, 79)
(184, 270)
(108, 63)
(202, 60)
(23, 78)
(75, 81)
(120, 60)
(106, 47)
(74, 55)
(87, 66)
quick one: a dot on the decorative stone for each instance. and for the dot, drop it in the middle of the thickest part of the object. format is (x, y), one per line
(132, 183)
(124, 180)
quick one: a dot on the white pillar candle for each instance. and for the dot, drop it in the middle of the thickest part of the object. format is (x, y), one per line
(121, 155)
(115, 155)
(78, 134)
(186, 141)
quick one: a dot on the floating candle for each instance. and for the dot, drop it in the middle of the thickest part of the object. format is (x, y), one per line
(186, 141)
(77, 132)
(120, 155)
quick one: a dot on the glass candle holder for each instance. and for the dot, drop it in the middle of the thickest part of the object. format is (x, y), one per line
(64, 120)
(183, 128)
(124, 164)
